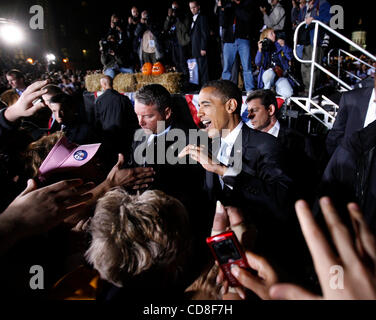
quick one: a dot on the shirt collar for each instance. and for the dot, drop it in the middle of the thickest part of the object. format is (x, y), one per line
(224, 152)
(20, 92)
(151, 137)
(274, 131)
(231, 137)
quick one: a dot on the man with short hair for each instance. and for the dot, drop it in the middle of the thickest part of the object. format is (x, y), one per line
(199, 40)
(114, 119)
(247, 170)
(263, 114)
(16, 80)
(159, 141)
(250, 165)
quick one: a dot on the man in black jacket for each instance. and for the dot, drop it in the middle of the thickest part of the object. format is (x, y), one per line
(115, 120)
(351, 173)
(357, 109)
(301, 163)
(236, 20)
(246, 170)
(199, 40)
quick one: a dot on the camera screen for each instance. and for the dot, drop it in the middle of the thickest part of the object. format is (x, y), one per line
(226, 250)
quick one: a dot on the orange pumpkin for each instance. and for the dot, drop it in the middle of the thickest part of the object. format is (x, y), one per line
(158, 69)
(147, 68)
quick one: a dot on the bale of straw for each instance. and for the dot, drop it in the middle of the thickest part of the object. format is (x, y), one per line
(92, 82)
(125, 82)
(171, 81)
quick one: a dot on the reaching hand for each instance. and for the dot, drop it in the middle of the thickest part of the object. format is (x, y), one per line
(24, 106)
(38, 210)
(357, 259)
(260, 283)
(201, 155)
(136, 178)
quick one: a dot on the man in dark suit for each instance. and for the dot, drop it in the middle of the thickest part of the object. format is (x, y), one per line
(115, 121)
(357, 109)
(300, 159)
(158, 143)
(247, 171)
(247, 168)
(199, 40)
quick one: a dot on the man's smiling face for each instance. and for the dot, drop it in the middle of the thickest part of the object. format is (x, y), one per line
(212, 112)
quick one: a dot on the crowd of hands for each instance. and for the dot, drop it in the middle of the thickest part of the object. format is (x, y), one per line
(37, 210)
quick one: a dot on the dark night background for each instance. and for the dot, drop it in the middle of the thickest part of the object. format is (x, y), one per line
(74, 25)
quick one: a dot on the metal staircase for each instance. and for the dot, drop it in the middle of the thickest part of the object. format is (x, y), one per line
(321, 107)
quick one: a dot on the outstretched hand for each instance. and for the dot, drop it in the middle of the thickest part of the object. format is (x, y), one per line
(24, 106)
(135, 178)
(38, 210)
(355, 264)
(202, 156)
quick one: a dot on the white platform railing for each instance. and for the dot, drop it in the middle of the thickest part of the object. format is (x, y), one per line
(309, 104)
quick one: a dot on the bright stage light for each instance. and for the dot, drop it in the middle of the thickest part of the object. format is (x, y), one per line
(50, 57)
(31, 61)
(11, 34)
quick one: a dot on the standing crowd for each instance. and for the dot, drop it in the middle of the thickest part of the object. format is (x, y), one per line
(118, 206)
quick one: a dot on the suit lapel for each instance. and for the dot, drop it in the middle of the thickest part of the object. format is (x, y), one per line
(364, 101)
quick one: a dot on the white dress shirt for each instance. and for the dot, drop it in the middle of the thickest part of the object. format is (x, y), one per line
(152, 136)
(194, 20)
(274, 131)
(371, 113)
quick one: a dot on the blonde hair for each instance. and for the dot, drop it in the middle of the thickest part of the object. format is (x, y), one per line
(133, 233)
(265, 33)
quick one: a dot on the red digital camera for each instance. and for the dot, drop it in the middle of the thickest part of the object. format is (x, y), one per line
(226, 250)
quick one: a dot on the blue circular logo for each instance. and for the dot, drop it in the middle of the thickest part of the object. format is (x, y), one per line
(80, 155)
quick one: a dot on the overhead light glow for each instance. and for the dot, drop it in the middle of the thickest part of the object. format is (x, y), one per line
(50, 57)
(31, 61)
(11, 34)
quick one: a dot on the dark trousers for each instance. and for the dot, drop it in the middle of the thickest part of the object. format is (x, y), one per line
(203, 69)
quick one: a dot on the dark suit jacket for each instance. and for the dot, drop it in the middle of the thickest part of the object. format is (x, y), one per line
(350, 117)
(116, 123)
(301, 163)
(178, 180)
(262, 183)
(199, 36)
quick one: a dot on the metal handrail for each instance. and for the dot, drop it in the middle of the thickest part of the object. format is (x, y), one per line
(315, 64)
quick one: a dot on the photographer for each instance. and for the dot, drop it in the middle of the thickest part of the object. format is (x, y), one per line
(112, 57)
(148, 40)
(176, 28)
(273, 58)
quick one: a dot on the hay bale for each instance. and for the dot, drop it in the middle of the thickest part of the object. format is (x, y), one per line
(171, 81)
(92, 82)
(125, 82)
